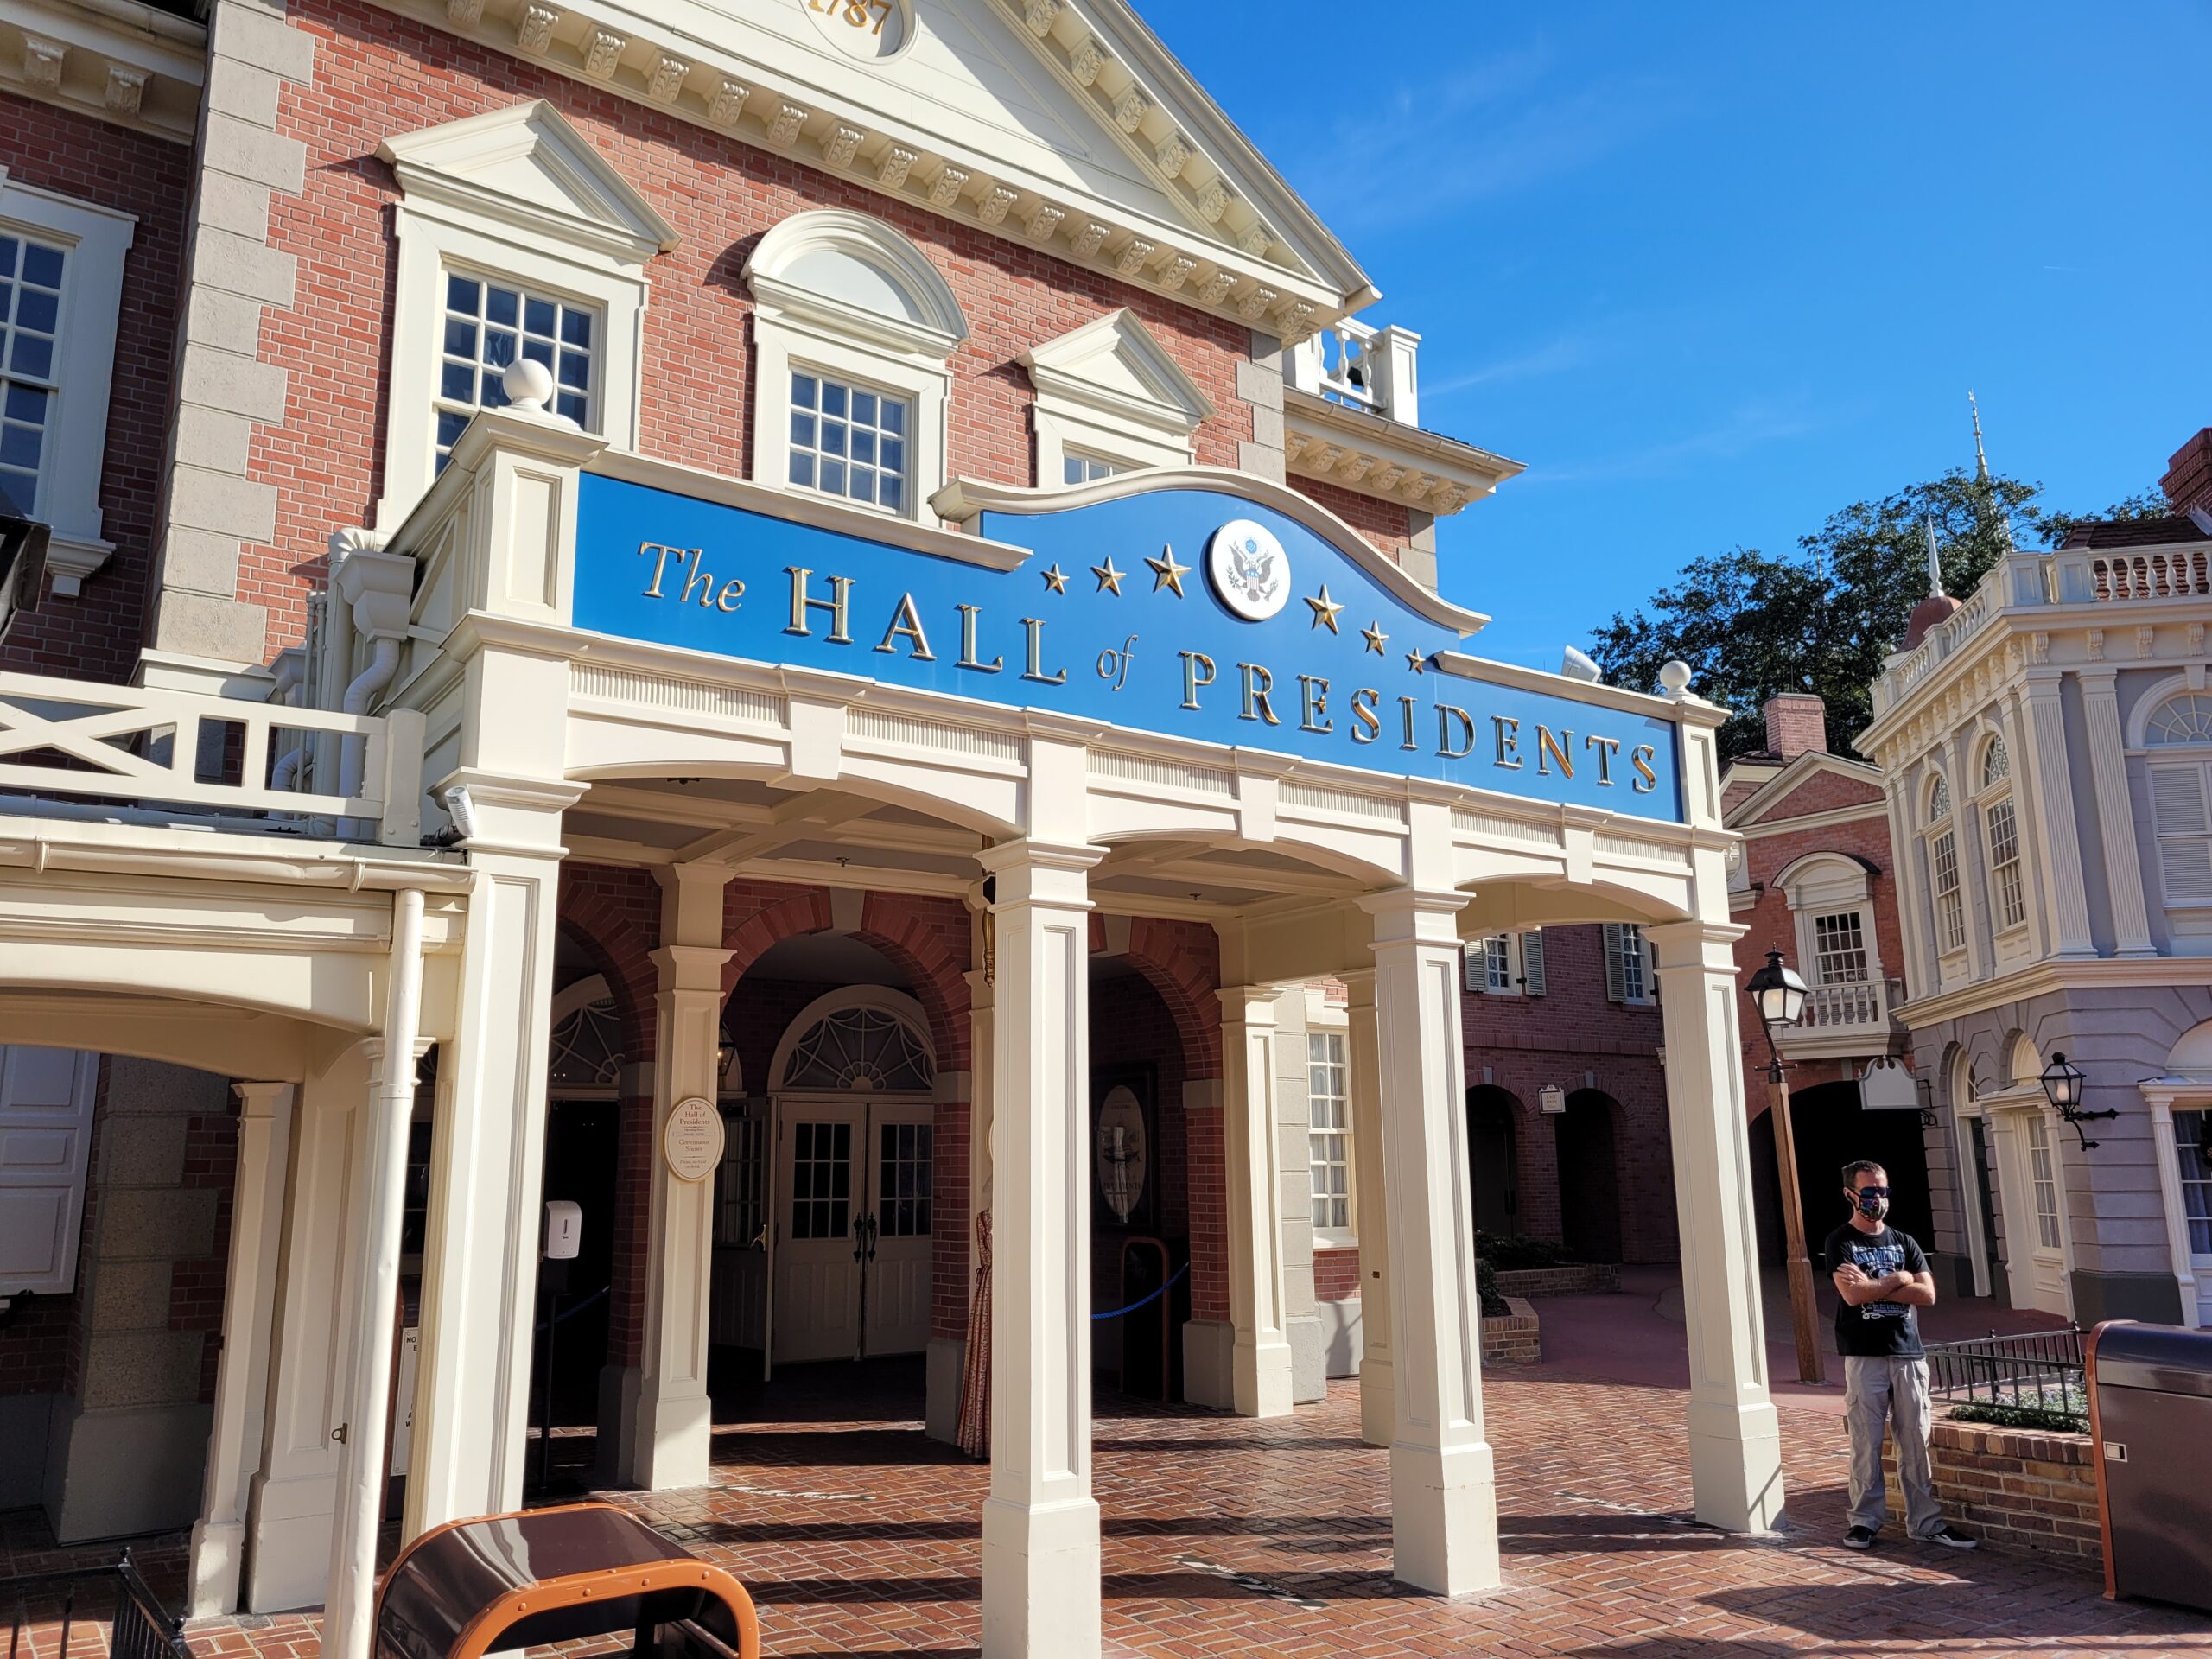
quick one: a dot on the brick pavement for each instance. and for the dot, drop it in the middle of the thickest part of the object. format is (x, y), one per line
(1223, 1536)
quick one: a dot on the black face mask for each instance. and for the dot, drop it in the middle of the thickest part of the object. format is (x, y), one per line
(1873, 1202)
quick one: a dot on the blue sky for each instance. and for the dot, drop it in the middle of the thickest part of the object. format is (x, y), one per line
(1715, 270)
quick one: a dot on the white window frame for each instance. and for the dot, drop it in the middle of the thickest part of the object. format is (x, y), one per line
(1617, 958)
(95, 241)
(1830, 883)
(799, 327)
(2008, 881)
(1110, 392)
(471, 206)
(1347, 1236)
(1523, 958)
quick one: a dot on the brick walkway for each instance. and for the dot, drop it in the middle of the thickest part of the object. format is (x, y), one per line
(1225, 1537)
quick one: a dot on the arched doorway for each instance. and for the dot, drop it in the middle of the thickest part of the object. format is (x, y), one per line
(1589, 1176)
(1493, 1151)
(1832, 1128)
(852, 1179)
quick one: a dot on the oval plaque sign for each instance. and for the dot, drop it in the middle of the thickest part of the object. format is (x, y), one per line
(691, 1140)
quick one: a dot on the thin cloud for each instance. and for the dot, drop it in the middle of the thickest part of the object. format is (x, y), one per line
(1560, 356)
(1750, 426)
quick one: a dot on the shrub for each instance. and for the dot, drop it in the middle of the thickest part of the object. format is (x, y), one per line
(2030, 1417)
(1516, 1251)
(1494, 1305)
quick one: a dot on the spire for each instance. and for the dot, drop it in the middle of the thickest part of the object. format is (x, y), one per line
(1981, 461)
(1935, 561)
(1996, 507)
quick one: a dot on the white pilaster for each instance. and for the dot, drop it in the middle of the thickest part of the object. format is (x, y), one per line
(1735, 1440)
(2050, 789)
(242, 1377)
(1261, 1367)
(1968, 824)
(2130, 920)
(1443, 1498)
(674, 1425)
(1377, 1400)
(472, 1410)
(1040, 1524)
(2170, 1198)
(2013, 716)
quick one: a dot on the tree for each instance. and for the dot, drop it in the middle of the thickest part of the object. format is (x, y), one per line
(1822, 619)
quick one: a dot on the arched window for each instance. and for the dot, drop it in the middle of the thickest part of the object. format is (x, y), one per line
(853, 328)
(2001, 838)
(859, 1046)
(2185, 719)
(1943, 872)
(1996, 763)
(1938, 801)
(587, 1037)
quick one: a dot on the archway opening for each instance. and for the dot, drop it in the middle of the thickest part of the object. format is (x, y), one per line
(1493, 1150)
(1832, 1128)
(1586, 1142)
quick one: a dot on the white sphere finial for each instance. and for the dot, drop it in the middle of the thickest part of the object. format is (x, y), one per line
(1674, 679)
(529, 385)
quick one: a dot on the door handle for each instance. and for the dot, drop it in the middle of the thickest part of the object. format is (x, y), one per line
(875, 1230)
(860, 1238)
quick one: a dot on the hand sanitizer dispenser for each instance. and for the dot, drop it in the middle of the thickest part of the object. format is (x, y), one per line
(564, 1227)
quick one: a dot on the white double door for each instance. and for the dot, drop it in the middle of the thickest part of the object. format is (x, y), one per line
(853, 1206)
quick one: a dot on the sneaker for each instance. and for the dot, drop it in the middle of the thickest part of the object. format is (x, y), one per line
(1858, 1538)
(1951, 1539)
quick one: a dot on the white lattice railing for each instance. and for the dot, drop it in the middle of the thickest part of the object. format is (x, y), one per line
(1359, 365)
(221, 755)
(1837, 1010)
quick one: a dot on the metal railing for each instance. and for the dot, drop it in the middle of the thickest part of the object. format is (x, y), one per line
(2038, 1370)
(139, 1627)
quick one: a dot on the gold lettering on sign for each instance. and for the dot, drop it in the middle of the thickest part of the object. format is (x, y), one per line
(1197, 671)
(1646, 780)
(1549, 748)
(1508, 732)
(1035, 630)
(1314, 705)
(1445, 714)
(1257, 683)
(838, 605)
(1368, 727)
(967, 658)
(1406, 707)
(661, 554)
(906, 623)
(859, 13)
(1607, 748)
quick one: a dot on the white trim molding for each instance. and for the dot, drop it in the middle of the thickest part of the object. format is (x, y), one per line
(1107, 391)
(119, 61)
(521, 195)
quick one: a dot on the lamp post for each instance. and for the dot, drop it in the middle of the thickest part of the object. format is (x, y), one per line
(2061, 1086)
(1779, 996)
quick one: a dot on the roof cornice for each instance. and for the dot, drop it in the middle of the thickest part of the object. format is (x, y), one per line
(1371, 455)
(116, 60)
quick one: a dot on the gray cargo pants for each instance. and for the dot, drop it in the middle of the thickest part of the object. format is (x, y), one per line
(1877, 1392)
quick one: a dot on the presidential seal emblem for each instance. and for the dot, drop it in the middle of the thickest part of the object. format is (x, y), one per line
(1249, 569)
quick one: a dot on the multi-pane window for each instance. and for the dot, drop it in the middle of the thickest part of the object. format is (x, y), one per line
(1329, 1097)
(902, 1187)
(821, 1180)
(849, 441)
(1950, 904)
(1081, 469)
(1996, 765)
(30, 314)
(2005, 865)
(1840, 949)
(487, 325)
(2185, 719)
(2195, 1180)
(1496, 963)
(1628, 963)
(2042, 1171)
(738, 1214)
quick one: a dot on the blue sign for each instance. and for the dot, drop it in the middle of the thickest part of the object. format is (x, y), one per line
(1184, 611)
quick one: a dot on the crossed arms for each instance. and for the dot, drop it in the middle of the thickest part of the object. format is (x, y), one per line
(1913, 1289)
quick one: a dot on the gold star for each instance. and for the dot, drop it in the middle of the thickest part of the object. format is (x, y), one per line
(1325, 610)
(1165, 573)
(1416, 662)
(1056, 579)
(1374, 637)
(1110, 579)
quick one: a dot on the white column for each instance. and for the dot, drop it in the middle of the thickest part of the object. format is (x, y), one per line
(2013, 716)
(1735, 1440)
(1040, 1523)
(1260, 1359)
(1443, 1498)
(242, 1376)
(2168, 1155)
(2050, 789)
(1377, 1400)
(2115, 816)
(674, 1424)
(488, 1166)
(365, 1464)
(1919, 969)
(1967, 823)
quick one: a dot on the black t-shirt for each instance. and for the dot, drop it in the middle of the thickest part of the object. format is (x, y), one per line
(1876, 1329)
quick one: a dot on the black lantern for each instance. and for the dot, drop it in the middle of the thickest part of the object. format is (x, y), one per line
(1779, 996)
(2061, 1086)
(725, 1053)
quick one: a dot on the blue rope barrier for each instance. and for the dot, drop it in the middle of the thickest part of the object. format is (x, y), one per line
(1143, 1300)
(572, 1313)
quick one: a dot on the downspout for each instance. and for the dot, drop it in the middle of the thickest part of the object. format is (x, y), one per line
(384, 663)
(363, 1439)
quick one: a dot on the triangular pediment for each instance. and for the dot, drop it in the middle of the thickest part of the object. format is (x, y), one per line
(1113, 363)
(527, 166)
(1064, 124)
(1811, 785)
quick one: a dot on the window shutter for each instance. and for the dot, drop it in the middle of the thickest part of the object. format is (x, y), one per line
(45, 1133)
(1616, 979)
(2185, 845)
(1532, 961)
(1650, 966)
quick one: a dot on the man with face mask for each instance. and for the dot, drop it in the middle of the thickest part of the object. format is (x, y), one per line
(1881, 1280)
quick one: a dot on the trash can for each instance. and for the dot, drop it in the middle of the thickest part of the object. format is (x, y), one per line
(540, 1576)
(2151, 1415)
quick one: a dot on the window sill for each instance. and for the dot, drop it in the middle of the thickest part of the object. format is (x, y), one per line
(1334, 1241)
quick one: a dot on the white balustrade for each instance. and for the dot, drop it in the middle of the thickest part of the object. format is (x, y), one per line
(1359, 365)
(143, 748)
